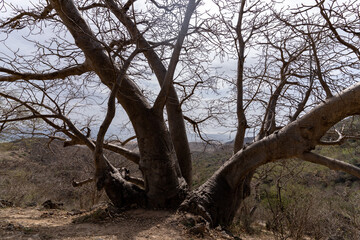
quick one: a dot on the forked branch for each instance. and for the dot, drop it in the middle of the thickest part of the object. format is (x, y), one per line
(168, 81)
(341, 139)
(130, 155)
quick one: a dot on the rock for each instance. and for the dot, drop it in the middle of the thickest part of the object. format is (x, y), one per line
(5, 203)
(10, 227)
(48, 204)
(198, 229)
(31, 204)
(75, 212)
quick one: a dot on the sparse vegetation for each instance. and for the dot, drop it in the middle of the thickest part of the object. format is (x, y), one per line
(295, 199)
(290, 199)
(45, 172)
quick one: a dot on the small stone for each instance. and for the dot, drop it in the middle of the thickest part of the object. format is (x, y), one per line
(198, 229)
(10, 227)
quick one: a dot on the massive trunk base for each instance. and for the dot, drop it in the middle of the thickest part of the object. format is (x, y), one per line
(124, 194)
(217, 202)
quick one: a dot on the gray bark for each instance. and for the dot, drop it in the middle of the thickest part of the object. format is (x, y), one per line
(218, 198)
(173, 108)
(242, 123)
(164, 184)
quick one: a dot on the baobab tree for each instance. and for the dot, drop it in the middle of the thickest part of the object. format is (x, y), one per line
(293, 65)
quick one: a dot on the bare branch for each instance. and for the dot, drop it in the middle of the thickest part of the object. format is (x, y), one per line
(341, 139)
(14, 22)
(318, 68)
(130, 155)
(196, 128)
(123, 143)
(240, 111)
(91, 6)
(302, 104)
(83, 182)
(34, 116)
(334, 31)
(191, 93)
(331, 163)
(61, 74)
(127, 5)
(110, 111)
(168, 81)
(57, 115)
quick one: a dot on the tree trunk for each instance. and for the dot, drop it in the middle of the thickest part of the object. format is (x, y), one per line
(240, 111)
(218, 198)
(174, 112)
(164, 184)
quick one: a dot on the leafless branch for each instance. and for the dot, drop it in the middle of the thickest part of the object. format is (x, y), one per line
(83, 182)
(331, 163)
(341, 139)
(334, 31)
(61, 74)
(130, 155)
(98, 152)
(168, 81)
(14, 22)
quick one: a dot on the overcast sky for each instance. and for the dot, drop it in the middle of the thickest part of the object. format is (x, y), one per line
(16, 41)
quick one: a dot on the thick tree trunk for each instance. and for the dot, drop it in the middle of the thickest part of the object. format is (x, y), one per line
(164, 184)
(218, 199)
(174, 112)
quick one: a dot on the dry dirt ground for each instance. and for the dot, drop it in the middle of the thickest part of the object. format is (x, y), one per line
(35, 223)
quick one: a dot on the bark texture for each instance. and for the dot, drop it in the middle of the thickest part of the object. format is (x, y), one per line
(219, 197)
(164, 185)
(173, 108)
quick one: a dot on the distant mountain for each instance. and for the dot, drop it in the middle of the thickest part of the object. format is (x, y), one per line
(221, 138)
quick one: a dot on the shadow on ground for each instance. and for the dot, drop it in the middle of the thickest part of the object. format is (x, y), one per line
(30, 223)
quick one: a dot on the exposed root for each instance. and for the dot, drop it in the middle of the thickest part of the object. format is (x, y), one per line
(193, 205)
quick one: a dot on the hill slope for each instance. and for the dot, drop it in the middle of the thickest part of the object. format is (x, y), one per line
(33, 171)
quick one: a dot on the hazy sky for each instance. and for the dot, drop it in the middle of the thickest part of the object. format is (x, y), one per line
(16, 41)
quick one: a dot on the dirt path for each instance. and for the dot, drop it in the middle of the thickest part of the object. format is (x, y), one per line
(137, 224)
(31, 223)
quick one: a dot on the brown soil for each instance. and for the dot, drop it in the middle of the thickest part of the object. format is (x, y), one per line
(33, 223)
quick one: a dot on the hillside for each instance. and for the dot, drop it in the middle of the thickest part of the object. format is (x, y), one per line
(33, 171)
